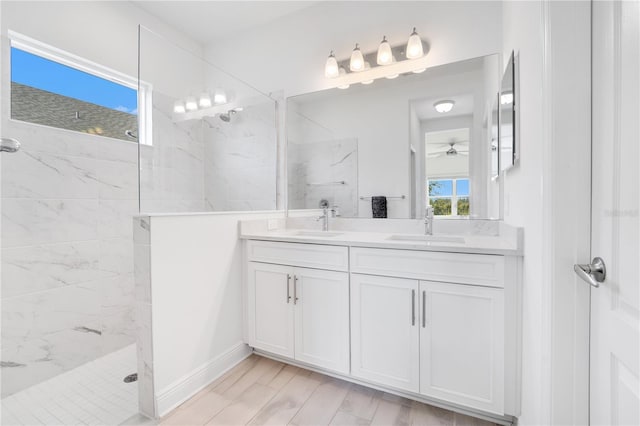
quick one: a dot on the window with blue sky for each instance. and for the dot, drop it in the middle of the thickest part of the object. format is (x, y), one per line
(449, 197)
(41, 73)
(54, 94)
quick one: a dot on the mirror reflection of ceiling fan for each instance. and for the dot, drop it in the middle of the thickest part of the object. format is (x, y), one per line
(454, 149)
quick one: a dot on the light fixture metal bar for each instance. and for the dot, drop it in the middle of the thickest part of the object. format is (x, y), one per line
(401, 66)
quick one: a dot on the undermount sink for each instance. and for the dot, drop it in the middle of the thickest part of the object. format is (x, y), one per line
(427, 238)
(316, 234)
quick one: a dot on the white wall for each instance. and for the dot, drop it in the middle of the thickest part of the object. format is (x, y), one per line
(105, 32)
(196, 301)
(523, 199)
(548, 194)
(296, 46)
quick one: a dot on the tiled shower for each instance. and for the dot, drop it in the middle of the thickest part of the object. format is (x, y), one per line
(69, 296)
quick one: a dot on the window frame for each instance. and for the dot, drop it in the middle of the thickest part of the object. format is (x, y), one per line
(454, 194)
(144, 90)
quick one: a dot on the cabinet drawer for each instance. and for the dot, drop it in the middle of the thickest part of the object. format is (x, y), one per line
(307, 255)
(478, 269)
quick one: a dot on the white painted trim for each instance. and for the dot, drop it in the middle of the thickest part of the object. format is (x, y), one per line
(547, 254)
(187, 386)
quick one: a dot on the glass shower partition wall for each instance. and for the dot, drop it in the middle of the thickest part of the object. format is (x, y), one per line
(209, 143)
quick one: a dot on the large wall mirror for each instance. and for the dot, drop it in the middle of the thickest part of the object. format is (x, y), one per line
(392, 147)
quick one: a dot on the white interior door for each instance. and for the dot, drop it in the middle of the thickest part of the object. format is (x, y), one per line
(615, 305)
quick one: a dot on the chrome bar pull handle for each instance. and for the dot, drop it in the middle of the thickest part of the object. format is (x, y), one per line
(9, 145)
(593, 273)
(413, 307)
(424, 309)
(288, 285)
(295, 289)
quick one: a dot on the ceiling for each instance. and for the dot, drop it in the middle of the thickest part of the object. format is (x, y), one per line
(209, 21)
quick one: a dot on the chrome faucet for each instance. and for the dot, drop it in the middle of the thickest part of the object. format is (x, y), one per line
(325, 218)
(428, 221)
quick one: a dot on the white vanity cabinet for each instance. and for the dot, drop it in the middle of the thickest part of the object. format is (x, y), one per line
(296, 312)
(385, 331)
(431, 325)
(441, 339)
(462, 345)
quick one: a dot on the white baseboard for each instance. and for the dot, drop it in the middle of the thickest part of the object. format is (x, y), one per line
(190, 384)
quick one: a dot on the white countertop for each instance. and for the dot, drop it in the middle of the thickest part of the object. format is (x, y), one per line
(480, 244)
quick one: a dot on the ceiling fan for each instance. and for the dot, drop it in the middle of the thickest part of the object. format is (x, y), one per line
(451, 152)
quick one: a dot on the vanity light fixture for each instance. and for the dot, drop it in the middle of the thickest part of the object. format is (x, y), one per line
(331, 67)
(357, 60)
(343, 72)
(414, 46)
(205, 100)
(385, 57)
(392, 76)
(191, 104)
(178, 107)
(219, 97)
(367, 66)
(444, 106)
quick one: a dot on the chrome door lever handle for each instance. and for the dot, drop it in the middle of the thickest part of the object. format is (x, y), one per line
(593, 273)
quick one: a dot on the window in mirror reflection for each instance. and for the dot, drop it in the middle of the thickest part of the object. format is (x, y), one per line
(449, 197)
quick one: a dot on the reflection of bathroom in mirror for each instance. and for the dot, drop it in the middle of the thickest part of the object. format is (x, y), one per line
(508, 153)
(419, 139)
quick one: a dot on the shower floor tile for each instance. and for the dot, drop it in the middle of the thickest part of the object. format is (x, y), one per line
(92, 394)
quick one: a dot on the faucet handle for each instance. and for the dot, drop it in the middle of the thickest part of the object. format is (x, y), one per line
(429, 212)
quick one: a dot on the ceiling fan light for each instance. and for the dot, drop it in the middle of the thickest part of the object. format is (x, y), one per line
(444, 106)
(331, 69)
(414, 46)
(385, 57)
(356, 63)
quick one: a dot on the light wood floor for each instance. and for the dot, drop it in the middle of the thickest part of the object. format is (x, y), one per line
(260, 391)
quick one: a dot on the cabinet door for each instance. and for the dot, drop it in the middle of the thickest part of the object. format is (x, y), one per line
(270, 308)
(462, 344)
(385, 331)
(322, 318)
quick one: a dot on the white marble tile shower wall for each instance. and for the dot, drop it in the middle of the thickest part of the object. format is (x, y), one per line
(142, 253)
(324, 170)
(240, 160)
(67, 251)
(172, 169)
